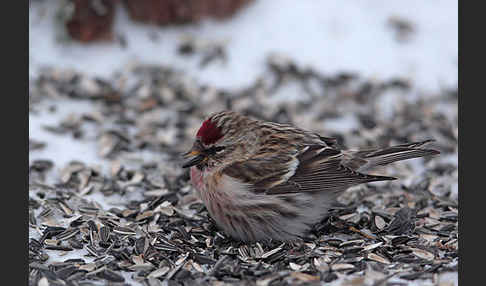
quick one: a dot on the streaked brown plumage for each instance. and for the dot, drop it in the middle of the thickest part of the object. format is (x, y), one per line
(263, 180)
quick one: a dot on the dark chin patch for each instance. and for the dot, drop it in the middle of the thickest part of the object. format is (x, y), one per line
(209, 132)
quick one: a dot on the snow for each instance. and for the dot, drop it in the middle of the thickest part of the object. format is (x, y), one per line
(330, 36)
(63, 149)
(327, 35)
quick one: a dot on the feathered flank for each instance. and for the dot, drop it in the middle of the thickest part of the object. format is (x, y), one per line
(266, 180)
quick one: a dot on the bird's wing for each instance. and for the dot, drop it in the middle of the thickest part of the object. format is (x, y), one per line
(316, 168)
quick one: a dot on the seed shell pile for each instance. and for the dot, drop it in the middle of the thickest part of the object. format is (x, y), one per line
(139, 221)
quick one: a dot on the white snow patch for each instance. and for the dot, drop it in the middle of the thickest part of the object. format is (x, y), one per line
(330, 36)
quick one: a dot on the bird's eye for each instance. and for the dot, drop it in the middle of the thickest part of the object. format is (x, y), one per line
(219, 149)
(214, 150)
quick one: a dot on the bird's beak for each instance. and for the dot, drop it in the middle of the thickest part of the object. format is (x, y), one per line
(197, 157)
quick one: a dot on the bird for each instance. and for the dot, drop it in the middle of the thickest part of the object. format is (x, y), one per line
(263, 181)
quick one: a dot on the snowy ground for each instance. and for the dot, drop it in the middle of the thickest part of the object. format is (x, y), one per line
(330, 36)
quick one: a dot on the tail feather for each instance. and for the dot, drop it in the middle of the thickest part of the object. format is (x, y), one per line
(364, 160)
(399, 155)
(415, 144)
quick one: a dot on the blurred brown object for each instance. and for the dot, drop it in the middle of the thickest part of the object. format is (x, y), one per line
(91, 20)
(164, 12)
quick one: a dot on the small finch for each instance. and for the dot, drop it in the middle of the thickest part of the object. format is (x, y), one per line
(263, 180)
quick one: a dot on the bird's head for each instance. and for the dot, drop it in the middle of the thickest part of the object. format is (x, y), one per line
(217, 138)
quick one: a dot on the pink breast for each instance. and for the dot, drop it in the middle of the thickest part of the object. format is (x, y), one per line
(197, 179)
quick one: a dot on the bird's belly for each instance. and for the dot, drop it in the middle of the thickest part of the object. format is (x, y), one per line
(252, 217)
(221, 199)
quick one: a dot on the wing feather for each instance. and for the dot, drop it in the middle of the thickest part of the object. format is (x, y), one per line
(317, 168)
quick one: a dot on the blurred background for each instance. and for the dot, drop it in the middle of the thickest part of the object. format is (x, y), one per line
(416, 40)
(127, 83)
(230, 46)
